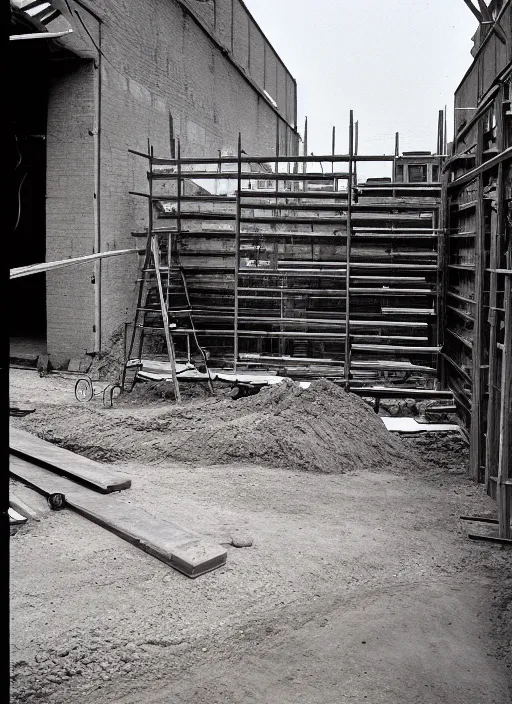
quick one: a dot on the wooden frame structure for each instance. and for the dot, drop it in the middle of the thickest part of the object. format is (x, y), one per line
(477, 351)
(275, 267)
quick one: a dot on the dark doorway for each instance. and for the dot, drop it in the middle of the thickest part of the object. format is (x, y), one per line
(30, 78)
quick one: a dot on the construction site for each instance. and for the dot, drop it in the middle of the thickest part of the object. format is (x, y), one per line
(260, 405)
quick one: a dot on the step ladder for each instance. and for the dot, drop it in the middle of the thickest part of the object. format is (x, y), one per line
(163, 298)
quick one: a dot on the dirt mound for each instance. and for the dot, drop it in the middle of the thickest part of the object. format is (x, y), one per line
(162, 392)
(319, 429)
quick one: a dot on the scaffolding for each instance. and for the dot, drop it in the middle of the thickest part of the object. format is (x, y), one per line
(477, 315)
(276, 264)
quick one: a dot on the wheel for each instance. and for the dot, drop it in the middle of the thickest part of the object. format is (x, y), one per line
(236, 392)
(107, 396)
(83, 389)
(110, 392)
(56, 501)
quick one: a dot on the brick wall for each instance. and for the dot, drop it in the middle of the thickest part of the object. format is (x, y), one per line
(157, 61)
(69, 209)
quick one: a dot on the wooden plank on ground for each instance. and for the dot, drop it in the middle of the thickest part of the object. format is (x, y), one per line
(177, 547)
(21, 507)
(94, 474)
(410, 425)
(15, 518)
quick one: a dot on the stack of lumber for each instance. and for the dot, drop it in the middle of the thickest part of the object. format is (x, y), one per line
(92, 490)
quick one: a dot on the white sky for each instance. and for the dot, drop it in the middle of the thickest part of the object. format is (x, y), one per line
(396, 63)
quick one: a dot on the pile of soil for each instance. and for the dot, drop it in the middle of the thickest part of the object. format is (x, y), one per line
(159, 392)
(319, 429)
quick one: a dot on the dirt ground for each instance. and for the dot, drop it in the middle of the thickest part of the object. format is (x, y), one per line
(359, 586)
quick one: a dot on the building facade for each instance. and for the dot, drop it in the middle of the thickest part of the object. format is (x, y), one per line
(130, 74)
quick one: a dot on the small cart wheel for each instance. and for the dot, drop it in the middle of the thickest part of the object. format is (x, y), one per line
(110, 392)
(56, 501)
(83, 389)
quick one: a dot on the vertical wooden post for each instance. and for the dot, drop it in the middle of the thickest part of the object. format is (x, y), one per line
(497, 228)
(140, 297)
(505, 453)
(305, 166)
(150, 242)
(445, 132)
(476, 453)
(348, 248)
(237, 251)
(165, 315)
(442, 263)
(278, 150)
(333, 150)
(493, 406)
(397, 154)
(439, 278)
(356, 150)
(155, 250)
(281, 341)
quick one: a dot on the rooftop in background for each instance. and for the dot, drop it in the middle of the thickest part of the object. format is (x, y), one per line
(417, 167)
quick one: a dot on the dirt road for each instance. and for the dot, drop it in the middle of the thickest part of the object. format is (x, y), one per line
(358, 587)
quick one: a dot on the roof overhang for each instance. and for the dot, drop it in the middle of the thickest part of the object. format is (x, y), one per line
(52, 22)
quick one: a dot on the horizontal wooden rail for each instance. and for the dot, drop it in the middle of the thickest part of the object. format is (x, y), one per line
(49, 266)
(471, 175)
(245, 159)
(246, 176)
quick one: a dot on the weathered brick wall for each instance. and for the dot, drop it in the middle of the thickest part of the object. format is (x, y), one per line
(233, 25)
(157, 63)
(69, 209)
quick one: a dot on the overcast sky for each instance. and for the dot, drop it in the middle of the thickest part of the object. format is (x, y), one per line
(396, 63)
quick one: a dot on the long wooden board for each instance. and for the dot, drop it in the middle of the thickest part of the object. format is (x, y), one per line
(21, 507)
(94, 474)
(177, 547)
(15, 518)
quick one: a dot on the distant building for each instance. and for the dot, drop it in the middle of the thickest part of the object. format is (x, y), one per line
(417, 167)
